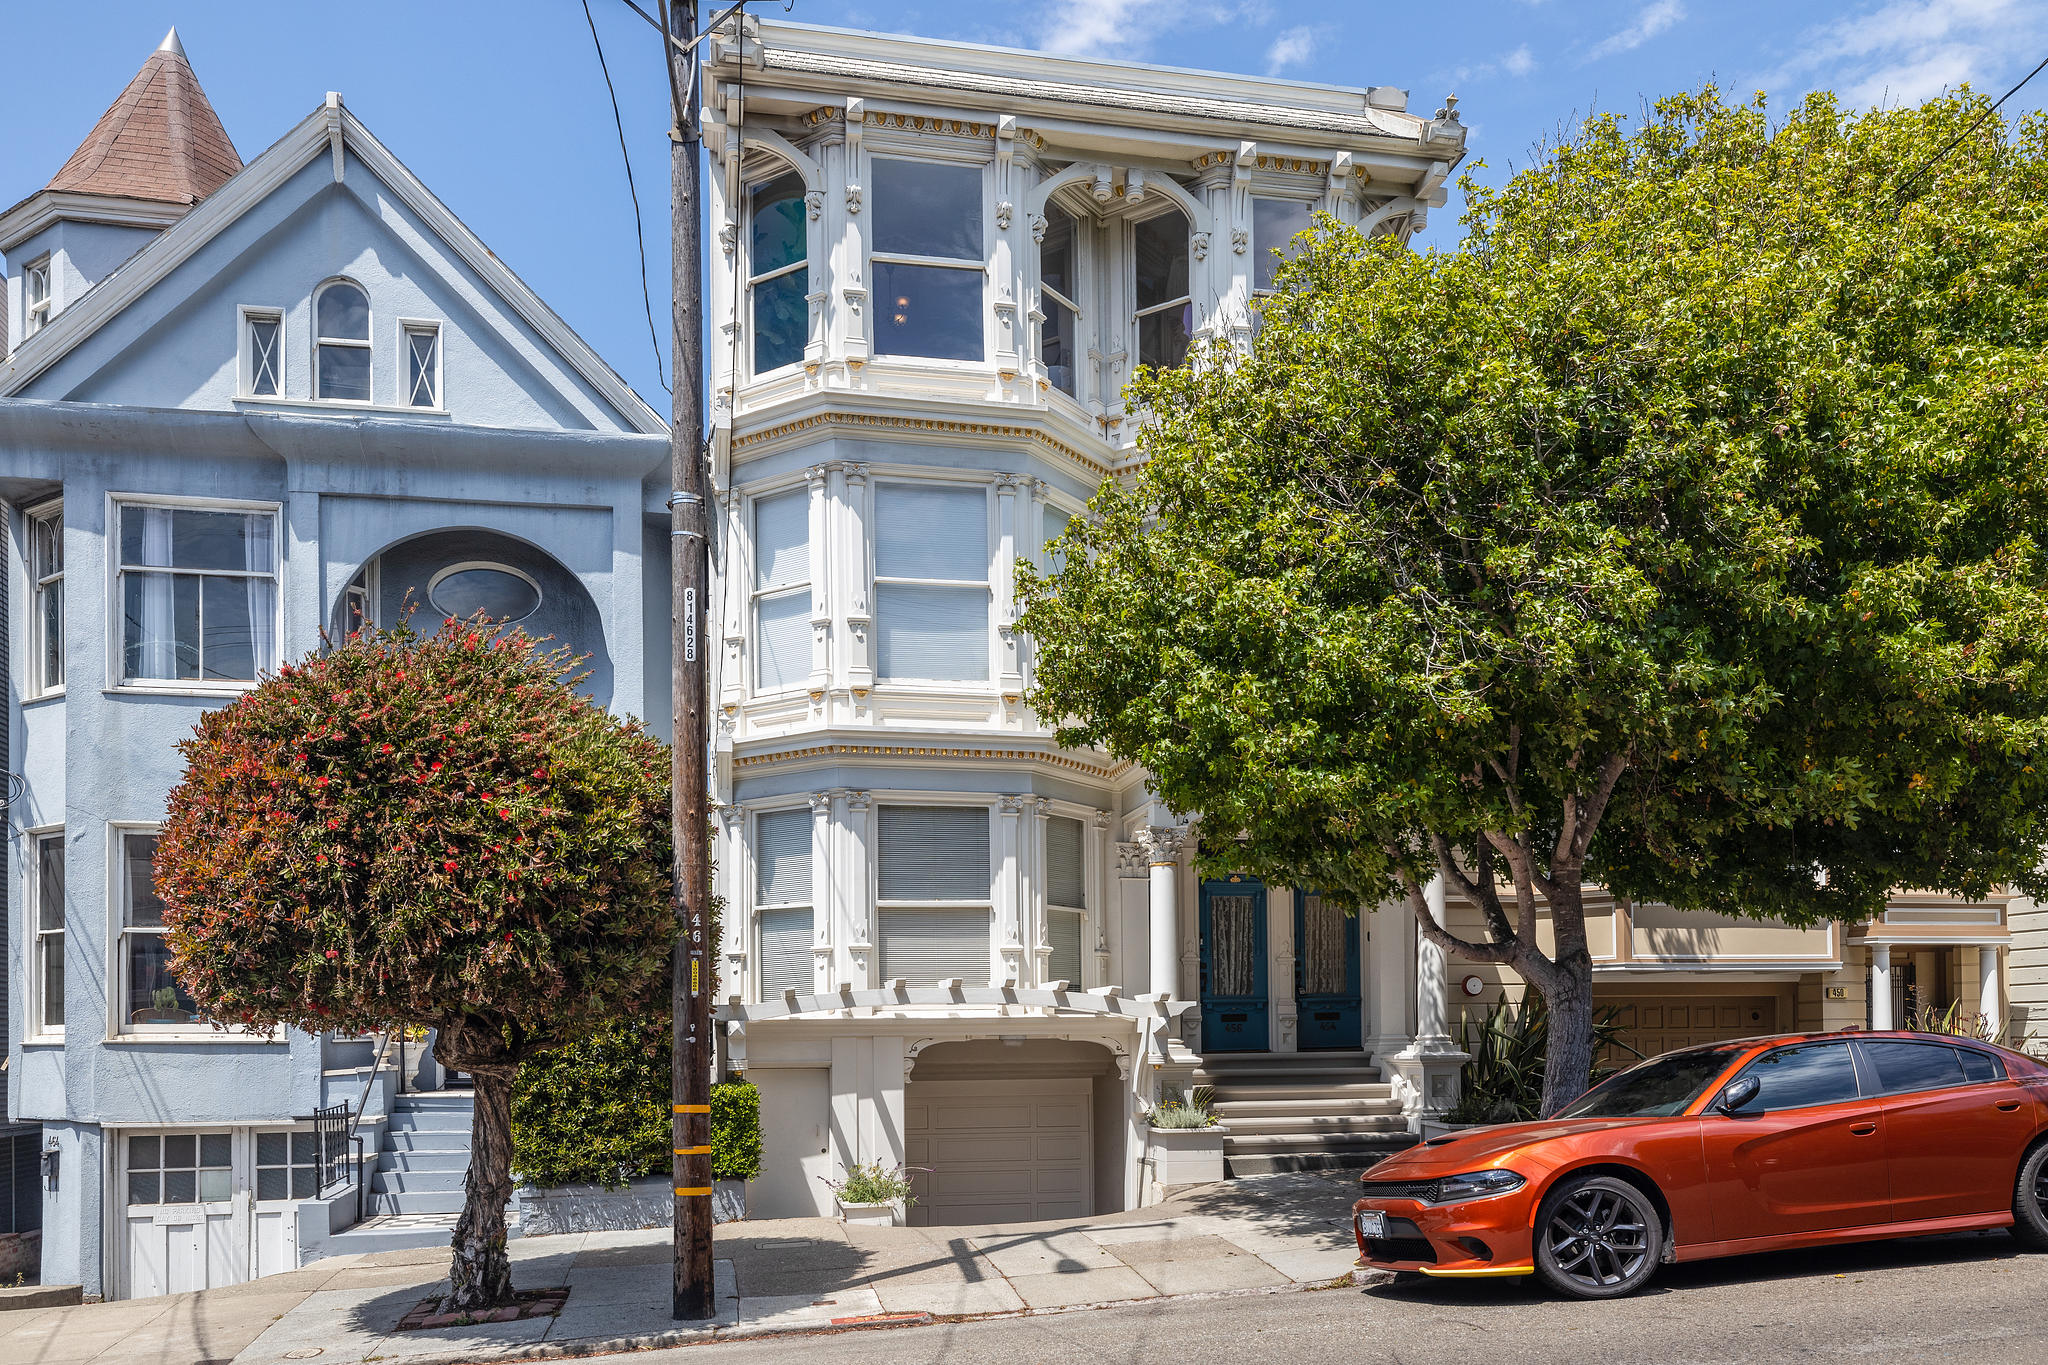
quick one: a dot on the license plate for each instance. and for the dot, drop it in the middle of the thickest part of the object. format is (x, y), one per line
(1372, 1223)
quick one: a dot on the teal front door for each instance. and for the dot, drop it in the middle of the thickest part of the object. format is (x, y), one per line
(1234, 1006)
(1325, 974)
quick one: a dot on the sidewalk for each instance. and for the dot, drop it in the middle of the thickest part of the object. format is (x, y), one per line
(1263, 1234)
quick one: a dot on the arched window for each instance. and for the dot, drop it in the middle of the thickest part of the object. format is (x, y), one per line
(1058, 287)
(778, 272)
(1164, 311)
(341, 326)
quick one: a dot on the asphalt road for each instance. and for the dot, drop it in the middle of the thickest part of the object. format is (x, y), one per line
(1973, 1298)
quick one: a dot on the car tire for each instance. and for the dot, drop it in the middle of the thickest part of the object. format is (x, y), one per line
(1597, 1237)
(2030, 1200)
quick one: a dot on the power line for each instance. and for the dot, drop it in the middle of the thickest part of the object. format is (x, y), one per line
(1899, 195)
(639, 231)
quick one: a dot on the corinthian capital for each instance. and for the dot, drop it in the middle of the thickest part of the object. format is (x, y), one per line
(1163, 843)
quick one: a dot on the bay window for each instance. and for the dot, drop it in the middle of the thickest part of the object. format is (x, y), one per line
(46, 621)
(48, 872)
(932, 893)
(784, 921)
(782, 591)
(929, 259)
(1066, 897)
(778, 272)
(932, 583)
(1275, 225)
(150, 997)
(198, 592)
(1164, 307)
(1058, 287)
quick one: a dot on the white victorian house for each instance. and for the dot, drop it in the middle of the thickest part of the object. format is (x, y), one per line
(951, 943)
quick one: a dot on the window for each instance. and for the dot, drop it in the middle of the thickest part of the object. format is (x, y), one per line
(928, 259)
(782, 591)
(1275, 224)
(198, 594)
(150, 996)
(1980, 1066)
(1657, 1088)
(49, 921)
(1798, 1077)
(35, 297)
(1159, 263)
(931, 583)
(341, 320)
(1058, 522)
(1902, 1067)
(782, 903)
(46, 625)
(1058, 287)
(498, 591)
(287, 1165)
(422, 364)
(1066, 897)
(779, 274)
(262, 354)
(180, 1168)
(932, 893)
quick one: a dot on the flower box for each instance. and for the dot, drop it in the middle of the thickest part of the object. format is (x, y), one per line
(1187, 1156)
(889, 1215)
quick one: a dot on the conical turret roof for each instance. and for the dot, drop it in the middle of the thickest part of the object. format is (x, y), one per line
(160, 141)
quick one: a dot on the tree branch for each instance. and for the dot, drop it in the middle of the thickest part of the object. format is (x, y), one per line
(1498, 954)
(1596, 805)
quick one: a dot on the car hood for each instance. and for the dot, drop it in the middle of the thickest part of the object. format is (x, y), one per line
(1474, 1148)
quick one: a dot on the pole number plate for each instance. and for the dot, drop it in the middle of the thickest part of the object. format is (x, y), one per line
(690, 624)
(1372, 1223)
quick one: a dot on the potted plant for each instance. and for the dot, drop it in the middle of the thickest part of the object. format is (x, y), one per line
(873, 1195)
(1187, 1139)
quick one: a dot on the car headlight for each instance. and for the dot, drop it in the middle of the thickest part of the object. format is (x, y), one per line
(1456, 1189)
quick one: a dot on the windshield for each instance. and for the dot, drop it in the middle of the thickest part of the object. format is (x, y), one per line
(1654, 1089)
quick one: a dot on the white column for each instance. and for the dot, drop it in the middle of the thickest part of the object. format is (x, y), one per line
(1009, 664)
(1099, 935)
(859, 652)
(1881, 986)
(821, 580)
(821, 891)
(1037, 929)
(1990, 1003)
(1390, 936)
(855, 887)
(1432, 977)
(1009, 876)
(1163, 846)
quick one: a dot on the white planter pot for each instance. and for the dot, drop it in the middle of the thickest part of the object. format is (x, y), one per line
(1437, 1127)
(1187, 1156)
(889, 1215)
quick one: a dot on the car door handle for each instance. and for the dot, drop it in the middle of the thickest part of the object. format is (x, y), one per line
(1862, 1129)
(2008, 1105)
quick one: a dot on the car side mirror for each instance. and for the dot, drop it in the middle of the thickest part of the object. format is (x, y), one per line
(1739, 1092)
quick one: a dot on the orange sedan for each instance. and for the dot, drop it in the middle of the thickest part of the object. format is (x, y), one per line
(1760, 1145)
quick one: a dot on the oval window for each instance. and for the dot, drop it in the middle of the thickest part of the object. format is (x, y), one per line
(500, 593)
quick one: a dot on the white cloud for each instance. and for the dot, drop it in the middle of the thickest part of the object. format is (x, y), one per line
(1519, 62)
(1128, 28)
(1291, 48)
(1907, 51)
(1650, 21)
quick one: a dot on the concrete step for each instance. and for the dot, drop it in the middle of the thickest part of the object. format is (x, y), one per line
(431, 1121)
(1338, 1159)
(417, 1201)
(428, 1140)
(1241, 1111)
(415, 1182)
(424, 1161)
(1284, 1073)
(1233, 1094)
(436, 1099)
(1250, 1144)
(1315, 1126)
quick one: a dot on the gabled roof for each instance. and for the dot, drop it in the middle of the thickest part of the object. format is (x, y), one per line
(159, 141)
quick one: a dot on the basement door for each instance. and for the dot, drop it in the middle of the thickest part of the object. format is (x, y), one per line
(999, 1151)
(188, 1217)
(1234, 1004)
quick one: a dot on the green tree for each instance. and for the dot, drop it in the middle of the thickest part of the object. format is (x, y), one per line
(1677, 533)
(425, 830)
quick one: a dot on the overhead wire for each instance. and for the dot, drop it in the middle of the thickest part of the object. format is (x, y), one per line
(639, 228)
(1899, 195)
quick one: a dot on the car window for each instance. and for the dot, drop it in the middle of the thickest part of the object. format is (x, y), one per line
(1653, 1089)
(1801, 1076)
(1913, 1066)
(1980, 1066)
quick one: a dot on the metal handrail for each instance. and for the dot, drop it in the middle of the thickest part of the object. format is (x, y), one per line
(363, 1100)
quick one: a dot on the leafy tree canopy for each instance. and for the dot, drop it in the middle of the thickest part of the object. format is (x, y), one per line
(1677, 533)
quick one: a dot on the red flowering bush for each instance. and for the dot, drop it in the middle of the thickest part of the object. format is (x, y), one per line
(425, 830)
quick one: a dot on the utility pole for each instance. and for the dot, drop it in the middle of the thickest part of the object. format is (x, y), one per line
(690, 574)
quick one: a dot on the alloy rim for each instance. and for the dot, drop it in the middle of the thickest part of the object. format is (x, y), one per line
(1600, 1239)
(2041, 1189)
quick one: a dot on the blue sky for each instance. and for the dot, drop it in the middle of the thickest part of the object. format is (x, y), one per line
(500, 108)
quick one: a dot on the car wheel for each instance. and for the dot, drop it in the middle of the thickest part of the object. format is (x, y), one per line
(2030, 1200)
(1597, 1238)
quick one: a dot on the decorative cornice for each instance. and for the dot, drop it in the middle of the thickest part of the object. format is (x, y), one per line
(923, 751)
(920, 123)
(935, 425)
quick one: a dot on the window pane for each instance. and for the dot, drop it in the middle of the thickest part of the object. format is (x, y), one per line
(1066, 864)
(782, 320)
(932, 634)
(304, 1183)
(263, 356)
(1274, 225)
(49, 539)
(145, 1152)
(213, 1186)
(53, 633)
(50, 882)
(1161, 262)
(783, 858)
(305, 1148)
(143, 1187)
(787, 963)
(154, 996)
(1057, 523)
(1063, 932)
(146, 536)
(273, 1184)
(1979, 1066)
(53, 980)
(236, 612)
(1056, 252)
(928, 310)
(181, 1187)
(215, 1149)
(1163, 338)
(344, 313)
(1914, 1066)
(782, 640)
(932, 853)
(498, 593)
(782, 540)
(1795, 1077)
(144, 909)
(923, 531)
(925, 208)
(222, 540)
(273, 1149)
(1056, 338)
(779, 230)
(927, 946)
(181, 1149)
(421, 372)
(345, 373)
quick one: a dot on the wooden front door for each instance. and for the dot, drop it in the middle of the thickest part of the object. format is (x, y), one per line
(1234, 1004)
(1325, 974)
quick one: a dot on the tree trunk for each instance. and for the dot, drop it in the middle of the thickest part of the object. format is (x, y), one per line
(1568, 992)
(481, 1273)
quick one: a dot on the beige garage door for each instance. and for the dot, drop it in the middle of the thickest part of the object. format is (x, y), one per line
(998, 1151)
(1654, 1024)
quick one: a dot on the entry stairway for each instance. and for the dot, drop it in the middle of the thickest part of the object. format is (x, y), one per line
(1302, 1111)
(425, 1154)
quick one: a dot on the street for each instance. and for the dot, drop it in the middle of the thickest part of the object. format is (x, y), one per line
(1936, 1299)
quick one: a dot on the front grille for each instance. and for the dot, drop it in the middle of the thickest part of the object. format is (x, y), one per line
(1425, 1190)
(1404, 1242)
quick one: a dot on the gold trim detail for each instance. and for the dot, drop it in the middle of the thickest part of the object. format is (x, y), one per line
(907, 751)
(1298, 165)
(935, 425)
(918, 123)
(1208, 159)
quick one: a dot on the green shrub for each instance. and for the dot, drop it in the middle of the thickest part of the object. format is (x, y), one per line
(1503, 1081)
(735, 1131)
(873, 1183)
(1186, 1111)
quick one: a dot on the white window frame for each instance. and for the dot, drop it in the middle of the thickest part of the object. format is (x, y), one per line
(540, 598)
(118, 932)
(246, 316)
(1259, 252)
(1083, 911)
(45, 940)
(1083, 235)
(756, 594)
(36, 313)
(39, 684)
(801, 263)
(362, 593)
(117, 661)
(1134, 324)
(987, 906)
(877, 256)
(366, 343)
(408, 328)
(754, 889)
(993, 533)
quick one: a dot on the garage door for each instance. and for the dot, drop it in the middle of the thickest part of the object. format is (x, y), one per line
(998, 1151)
(1654, 1024)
